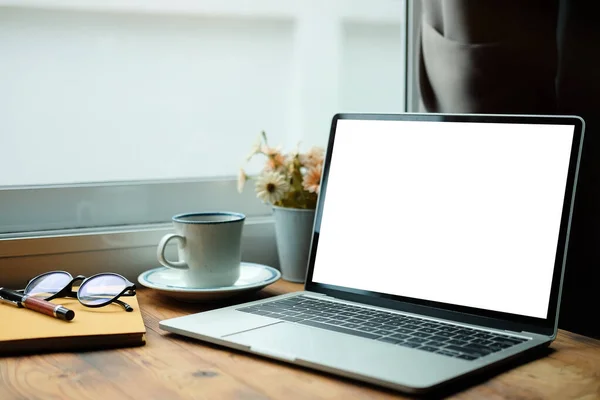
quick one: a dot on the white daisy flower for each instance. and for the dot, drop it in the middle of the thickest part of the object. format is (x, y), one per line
(271, 187)
(255, 148)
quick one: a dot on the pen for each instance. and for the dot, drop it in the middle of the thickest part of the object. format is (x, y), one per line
(39, 305)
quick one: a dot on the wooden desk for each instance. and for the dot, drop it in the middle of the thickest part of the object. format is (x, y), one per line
(173, 367)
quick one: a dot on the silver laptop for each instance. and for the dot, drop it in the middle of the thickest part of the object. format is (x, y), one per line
(438, 251)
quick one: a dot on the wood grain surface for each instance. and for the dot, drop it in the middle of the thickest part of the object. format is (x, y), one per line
(174, 367)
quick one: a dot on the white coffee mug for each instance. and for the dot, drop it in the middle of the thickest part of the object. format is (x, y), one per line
(209, 248)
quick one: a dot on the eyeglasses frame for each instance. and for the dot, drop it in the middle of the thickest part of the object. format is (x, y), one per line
(68, 291)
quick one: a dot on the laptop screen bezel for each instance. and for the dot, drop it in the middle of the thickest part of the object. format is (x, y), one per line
(492, 319)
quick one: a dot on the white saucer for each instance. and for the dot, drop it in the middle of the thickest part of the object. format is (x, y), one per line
(168, 281)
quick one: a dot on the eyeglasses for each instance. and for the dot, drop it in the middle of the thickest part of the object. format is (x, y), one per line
(96, 291)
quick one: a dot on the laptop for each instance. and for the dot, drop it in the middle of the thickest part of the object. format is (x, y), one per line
(438, 251)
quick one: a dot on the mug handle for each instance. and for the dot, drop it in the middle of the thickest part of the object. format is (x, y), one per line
(160, 252)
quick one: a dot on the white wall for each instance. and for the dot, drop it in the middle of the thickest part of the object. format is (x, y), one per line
(94, 91)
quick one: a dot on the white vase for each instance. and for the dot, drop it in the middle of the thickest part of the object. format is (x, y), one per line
(293, 232)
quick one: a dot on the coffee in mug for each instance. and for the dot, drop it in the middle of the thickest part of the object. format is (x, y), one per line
(209, 248)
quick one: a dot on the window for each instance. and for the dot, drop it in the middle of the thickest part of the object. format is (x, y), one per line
(116, 115)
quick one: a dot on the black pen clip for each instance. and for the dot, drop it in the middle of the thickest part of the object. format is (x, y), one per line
(12, 303)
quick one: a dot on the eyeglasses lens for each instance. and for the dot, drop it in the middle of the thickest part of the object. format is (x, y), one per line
(101, 289)
(47, 285)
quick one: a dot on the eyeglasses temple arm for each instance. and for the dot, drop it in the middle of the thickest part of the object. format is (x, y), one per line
(126, 306)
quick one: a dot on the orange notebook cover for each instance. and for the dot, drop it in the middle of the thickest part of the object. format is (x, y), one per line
(26, 331)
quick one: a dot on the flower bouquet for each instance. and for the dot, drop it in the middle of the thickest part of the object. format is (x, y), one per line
(290, 183)
(287, 180)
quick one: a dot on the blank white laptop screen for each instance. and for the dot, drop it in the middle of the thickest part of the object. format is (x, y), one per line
(455, 212)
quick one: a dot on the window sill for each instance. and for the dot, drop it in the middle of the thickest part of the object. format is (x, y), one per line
(384, 10)
(127, 251)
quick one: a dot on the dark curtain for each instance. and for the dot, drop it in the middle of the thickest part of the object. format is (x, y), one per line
(527, 57)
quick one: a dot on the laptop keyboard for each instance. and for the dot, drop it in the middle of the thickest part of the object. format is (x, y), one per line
(401, 330)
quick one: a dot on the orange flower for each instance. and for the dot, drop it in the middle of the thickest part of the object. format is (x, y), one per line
(313, 158)
(312, 179)
(275, 162)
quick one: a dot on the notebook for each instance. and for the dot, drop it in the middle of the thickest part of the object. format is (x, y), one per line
(438, 250)
(27, 331)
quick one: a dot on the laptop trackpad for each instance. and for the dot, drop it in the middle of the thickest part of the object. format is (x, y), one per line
(292, 342)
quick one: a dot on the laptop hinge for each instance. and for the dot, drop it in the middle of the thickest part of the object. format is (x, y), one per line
(526, 333)
(315, 294)
(533, 333)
